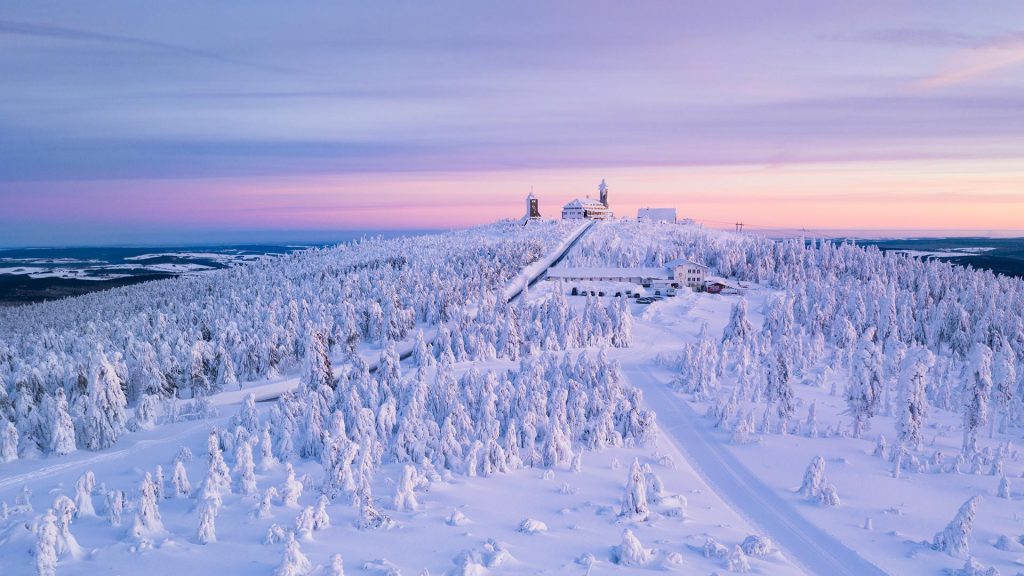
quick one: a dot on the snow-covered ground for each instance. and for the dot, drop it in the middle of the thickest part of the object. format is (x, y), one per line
(707, 493)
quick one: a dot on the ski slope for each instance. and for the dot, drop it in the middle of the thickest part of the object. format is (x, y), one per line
(805, 544)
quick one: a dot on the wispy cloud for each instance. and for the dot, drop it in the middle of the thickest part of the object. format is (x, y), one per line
(12, 28)
(968, 65)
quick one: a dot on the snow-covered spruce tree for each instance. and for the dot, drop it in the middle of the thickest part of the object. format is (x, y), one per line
(64, 508)
(104, 419)
(179, 479)
(912, 398)
(218, 477)
(8, 441)
(291, 489)
(421, 353)
(977, 390)
(1004, 488)
(62, 438)
(46, 545)
(267, 459)
(115, 506)
(321, 519)
(83, 494)
(263, 509)
(881, 448)
(245, 473)
(160, 482)
(206, 533)
(369, 517)
(634, 500)
(779, 384)
(337, 567)
(147, 515)
(294, 562)
(316, 370)
(199, 369)
(248, 417)
(739, 329)
(304, 523)
(227, 376)
(1004, 383)
(864, 390)
(405, 495)
(814, 478)
(955, 538)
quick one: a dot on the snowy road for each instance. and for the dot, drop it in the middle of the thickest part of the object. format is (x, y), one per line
(803, 543)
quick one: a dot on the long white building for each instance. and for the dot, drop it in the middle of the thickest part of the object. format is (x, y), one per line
(674, 274)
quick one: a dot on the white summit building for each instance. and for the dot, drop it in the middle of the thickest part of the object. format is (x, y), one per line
(674, 274)
(588, 208)
(656, 215)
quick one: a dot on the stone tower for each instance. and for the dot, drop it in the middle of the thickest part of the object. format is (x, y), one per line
(532, 207)
(603, 189)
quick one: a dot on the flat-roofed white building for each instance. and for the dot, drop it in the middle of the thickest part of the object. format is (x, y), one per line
(656, 215)
(675, 274)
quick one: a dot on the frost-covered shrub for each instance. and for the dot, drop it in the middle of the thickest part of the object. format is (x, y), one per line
(737, 561)
(757, 546)
(631, 552)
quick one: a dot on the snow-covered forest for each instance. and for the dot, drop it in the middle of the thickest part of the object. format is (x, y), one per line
(79, 371)
(384, 389)
(907, 333)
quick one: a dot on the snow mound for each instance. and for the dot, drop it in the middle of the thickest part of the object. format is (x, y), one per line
(531, 526)
(457, 518)
(383, 567)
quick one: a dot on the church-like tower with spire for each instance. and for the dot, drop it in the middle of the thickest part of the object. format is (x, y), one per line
(588, 208)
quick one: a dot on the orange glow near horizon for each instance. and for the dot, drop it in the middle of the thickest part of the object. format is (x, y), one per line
(946, 194)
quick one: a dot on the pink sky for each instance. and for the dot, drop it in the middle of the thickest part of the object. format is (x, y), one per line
(939, 194)
(118, 117)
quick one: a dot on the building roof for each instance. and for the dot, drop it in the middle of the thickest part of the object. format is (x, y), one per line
(684, 262)
(563, 272)
(656, 213)
(588, 203)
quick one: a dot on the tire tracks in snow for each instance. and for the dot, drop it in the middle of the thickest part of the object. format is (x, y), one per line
(810, 547)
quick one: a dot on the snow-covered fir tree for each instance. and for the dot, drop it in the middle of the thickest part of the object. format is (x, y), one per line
(955, 538)
(46, 546)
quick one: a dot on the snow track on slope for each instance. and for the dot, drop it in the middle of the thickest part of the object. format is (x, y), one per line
(813, 549)
(90, 459)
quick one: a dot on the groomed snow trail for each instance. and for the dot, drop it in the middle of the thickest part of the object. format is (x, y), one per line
(85, 459)
(808, 546)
